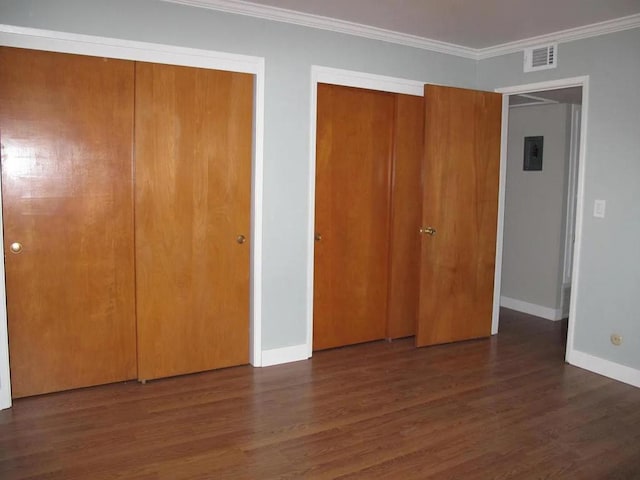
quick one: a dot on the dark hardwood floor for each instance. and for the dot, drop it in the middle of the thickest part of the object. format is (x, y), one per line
(505, 407)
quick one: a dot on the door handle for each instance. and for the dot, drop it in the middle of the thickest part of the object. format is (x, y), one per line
(428, 231)
(241, 239)
(317, 237)
(15, 247)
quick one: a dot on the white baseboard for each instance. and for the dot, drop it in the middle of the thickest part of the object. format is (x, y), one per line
(5, 396)
(610, 369)
(532, 309)
(278, 356)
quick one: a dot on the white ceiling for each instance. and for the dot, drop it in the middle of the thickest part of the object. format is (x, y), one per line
(474, 24)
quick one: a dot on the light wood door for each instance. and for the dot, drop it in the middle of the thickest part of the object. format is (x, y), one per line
(406, 213)
(193, 187)
(353, 152)
(66, 124)
(460, 201)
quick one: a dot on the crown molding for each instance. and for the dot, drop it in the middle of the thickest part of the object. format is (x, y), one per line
(241, 7)
(563, 36)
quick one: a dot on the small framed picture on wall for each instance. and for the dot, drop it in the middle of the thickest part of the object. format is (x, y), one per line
(533, 147)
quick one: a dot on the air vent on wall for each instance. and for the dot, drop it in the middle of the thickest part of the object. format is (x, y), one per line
(541, 57)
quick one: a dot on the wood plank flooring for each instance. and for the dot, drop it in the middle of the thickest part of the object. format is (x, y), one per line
(505, 407)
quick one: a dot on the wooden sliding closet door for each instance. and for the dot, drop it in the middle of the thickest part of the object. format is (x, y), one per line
(353, 151)
(193, 183)
(406, 213)
(461, 177)
(66, 124)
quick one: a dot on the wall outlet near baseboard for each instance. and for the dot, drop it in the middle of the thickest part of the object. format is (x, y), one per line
(616, 339)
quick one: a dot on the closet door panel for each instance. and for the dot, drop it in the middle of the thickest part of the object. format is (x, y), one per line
(66, 126)
(193, 188)
(404, 265)
(353, 151)
(460, 204)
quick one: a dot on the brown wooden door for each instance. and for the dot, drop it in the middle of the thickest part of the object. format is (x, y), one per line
(193, 182)
(66, 124)
(406, 213)
(353, 151)
(460, 201)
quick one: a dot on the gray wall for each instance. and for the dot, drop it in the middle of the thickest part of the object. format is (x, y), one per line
(609, 285)
(289, 52)
(535, 207)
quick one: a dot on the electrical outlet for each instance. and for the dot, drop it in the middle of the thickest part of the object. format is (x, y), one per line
(616, 339)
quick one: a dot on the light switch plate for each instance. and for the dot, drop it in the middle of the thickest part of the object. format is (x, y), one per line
(599, 207)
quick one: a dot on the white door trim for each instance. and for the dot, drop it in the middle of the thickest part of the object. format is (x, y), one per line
(345, 78)
(583, 82)
(574, 153)
(53, 41)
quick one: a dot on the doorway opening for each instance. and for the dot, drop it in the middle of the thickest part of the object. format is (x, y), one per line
(541, 203)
